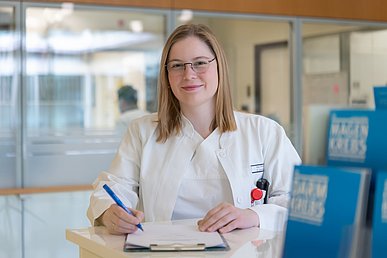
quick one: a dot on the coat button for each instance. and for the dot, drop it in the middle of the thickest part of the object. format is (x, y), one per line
(222, 153)
(239, 199)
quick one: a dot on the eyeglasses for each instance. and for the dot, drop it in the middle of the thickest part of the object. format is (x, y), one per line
(199, 66)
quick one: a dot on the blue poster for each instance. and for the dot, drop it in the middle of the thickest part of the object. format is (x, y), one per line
(357, 138)
(379, 225)
(380, 97)
(327, 212)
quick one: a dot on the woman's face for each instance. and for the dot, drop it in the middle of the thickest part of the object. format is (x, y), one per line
(193, 88)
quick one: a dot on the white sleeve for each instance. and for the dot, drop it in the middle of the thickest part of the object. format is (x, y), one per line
(122, 177)
(101, 201)
(271, 216)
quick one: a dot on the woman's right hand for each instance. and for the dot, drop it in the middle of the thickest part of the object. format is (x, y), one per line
(118, 221)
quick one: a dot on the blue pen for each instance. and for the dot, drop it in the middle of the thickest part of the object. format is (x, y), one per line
(119, 202)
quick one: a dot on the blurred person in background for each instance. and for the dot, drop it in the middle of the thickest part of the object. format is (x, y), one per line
(127, 102)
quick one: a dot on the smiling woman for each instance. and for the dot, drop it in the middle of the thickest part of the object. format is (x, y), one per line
(199, 145)
(57, 123)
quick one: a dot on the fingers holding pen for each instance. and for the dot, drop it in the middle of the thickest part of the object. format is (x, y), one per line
(128, 223)
(118, 221)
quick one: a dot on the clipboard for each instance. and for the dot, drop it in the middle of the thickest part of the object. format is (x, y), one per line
(174, 238)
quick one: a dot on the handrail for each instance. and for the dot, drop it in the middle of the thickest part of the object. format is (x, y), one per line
(48, 189)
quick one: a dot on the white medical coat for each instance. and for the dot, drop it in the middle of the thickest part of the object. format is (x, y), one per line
(146, 175)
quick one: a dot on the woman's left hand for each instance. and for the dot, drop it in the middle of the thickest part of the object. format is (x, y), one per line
(226, 217)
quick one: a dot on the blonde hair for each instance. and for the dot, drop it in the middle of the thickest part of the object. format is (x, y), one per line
(169, 116)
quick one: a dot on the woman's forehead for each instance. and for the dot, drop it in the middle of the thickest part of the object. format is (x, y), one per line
(189, 47)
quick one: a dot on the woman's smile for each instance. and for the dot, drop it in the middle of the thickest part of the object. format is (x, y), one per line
(192, 87)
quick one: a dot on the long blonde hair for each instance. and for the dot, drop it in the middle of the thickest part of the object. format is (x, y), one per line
(169, 116)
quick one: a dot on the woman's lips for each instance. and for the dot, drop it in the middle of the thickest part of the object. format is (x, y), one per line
(191, 87)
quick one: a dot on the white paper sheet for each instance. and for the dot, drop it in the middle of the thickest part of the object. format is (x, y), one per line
(173, 234)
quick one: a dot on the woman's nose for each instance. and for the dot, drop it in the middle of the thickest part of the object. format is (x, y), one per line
(189, 71)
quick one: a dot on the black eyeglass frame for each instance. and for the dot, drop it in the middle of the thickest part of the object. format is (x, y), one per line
(191, 64)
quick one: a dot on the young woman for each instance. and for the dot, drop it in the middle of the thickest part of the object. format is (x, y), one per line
(197, 157)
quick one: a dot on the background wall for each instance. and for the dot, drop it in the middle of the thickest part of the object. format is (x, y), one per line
(372, 10)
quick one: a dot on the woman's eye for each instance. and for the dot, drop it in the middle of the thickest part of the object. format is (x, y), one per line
(199, 63)
(176, 66)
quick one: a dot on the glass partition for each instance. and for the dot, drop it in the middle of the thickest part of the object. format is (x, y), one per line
(10, 206)
(8, 96)
(368, 63)
(76, 61)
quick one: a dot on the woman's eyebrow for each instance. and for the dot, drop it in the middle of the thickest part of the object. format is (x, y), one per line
(195, 58)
